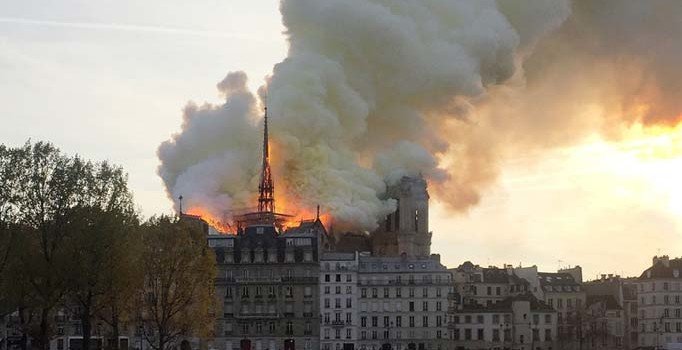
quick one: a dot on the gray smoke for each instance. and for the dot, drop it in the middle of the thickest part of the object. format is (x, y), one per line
(373, 90)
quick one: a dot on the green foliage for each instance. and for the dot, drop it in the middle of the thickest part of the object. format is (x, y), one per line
(70, 238)
(71, 216)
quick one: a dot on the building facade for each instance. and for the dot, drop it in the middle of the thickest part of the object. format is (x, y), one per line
(660, 305)
(403, 303)
(486, 286)
(338, 301)
(268, 281)
(516, 322)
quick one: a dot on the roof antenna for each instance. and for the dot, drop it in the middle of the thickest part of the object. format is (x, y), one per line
(180, 200)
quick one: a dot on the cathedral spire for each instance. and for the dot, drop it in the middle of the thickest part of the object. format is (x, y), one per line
(266, 198)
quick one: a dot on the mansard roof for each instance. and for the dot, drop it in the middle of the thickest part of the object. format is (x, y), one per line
(505, 305)
(556, 279)
(609, 301)
(660, 270)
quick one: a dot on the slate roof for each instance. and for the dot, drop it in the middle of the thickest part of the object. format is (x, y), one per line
(505, 305)
(609, 301)
(556, 279)
(659, 270)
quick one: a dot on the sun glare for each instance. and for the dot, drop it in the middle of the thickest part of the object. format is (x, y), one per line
(648, 156)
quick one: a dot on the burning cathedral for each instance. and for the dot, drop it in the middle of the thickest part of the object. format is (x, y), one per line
(269, 276)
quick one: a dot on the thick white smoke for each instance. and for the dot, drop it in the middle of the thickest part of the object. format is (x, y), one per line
(373, 90)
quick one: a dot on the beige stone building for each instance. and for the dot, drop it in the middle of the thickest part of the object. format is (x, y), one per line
(516, 322)
(339, 301)
(659, 290)
(403, 303)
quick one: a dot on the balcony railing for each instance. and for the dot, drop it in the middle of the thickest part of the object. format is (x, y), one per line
(257, 315)
(297, 279)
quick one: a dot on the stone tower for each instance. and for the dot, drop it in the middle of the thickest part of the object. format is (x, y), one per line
(405, 231)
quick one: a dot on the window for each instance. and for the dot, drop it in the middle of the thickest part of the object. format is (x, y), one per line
(337, 333)
(375, 321)
(480, 334)
(490, 290)
(398, 321)
(349, 290)
(290, 328)
(363, 321)
(498, 291)
(375, 293)
(363, 292)
(338, 277)
(386, 321)
(349, 303)
(548, 318)
(425, 306)
(349, 278)
(326, 333)
(439, 321)
(337, 290)
(425, 292)
(438, 306)
(326, 278)
(411, 321)
(496, 319)
(386, 293)
(348, 333)
(399, 294)
(411, 305)
(326, 303)
(548, 335)
(337, 303)
(349, 317)
(467, 334)
(326, 289)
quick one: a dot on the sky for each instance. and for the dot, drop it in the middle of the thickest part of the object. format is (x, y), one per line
(108, 80)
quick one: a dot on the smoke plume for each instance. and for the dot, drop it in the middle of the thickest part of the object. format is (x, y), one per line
(372, 90)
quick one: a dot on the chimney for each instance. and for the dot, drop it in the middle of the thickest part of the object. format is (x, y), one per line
(663, 259)
(576, 272)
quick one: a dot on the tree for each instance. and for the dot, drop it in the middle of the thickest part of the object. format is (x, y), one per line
(179, 271)
(119, 298)
(57, 204)
(97, 243)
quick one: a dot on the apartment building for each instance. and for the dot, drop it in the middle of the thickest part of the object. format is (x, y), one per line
(269, 282)
(338, 301)
(486, 286)
(660, 306)
(516, 322)
(403, 303)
